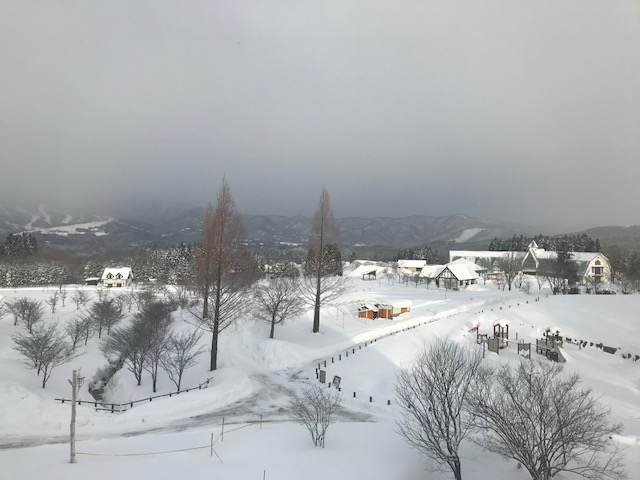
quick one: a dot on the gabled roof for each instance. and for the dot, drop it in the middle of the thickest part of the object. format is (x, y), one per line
(411, 263)
(366, 269)
(125, 272)
(431, 271)
(463, 272)
(464, 261)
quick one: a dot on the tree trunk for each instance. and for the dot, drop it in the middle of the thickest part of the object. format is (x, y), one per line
(457, 471)
(205, 305)
(273, 325)
(214, 348)
(316, 308)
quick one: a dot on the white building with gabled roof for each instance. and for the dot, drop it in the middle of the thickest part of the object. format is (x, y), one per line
(117, 277)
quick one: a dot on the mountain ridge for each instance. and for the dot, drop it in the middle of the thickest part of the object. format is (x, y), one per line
(97, 234)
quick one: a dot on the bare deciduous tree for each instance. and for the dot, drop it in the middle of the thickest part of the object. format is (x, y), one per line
(314, 409)
(80, 298)
(278, 299)
(594, 281)
(499, 280)
(180, 296)
(487, 264)
(320, 284)
(43, 349)
(102, 293)
(157, 316)
(548, 422)
(52, 301)
(511, 265)
(26, 311)
(63, 294)
(224, 270)
(105, 314)
(525, 285)
(626, 284)
(145, 297)
(180, 354)
(76, 331)
(433, 396)
(133, 343)
(128, 299)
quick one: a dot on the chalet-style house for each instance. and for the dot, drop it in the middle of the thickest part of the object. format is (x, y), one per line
(592, 266)
(117, 277)
(538, 261)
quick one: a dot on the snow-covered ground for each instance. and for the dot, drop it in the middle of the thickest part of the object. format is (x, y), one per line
(257, 376)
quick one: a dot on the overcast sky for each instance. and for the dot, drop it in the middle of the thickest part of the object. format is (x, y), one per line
(524, 110)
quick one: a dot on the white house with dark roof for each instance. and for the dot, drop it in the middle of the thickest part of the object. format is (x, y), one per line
(538, 261)
(591, 265)
(117, 277)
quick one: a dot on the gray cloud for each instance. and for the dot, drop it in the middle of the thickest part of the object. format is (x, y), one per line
(514, 109)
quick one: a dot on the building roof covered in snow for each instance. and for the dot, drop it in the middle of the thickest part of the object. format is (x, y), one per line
(124, 272)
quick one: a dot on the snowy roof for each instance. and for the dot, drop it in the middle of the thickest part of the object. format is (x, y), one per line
(455, 254)
(368, 307)
(575, 256)
(125, 272)
(464, 261)
(365, 269)
(431, 271)
(411, 263)
(463, 272)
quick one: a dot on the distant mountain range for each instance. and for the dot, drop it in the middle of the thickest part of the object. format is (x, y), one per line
(172, 224)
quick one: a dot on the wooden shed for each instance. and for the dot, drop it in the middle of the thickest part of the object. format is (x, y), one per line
(393, 309)
(368, 311)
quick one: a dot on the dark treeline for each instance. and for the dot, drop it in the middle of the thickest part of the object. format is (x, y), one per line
(164, 264)
(18, 245)
(432, 256)
(574, 243)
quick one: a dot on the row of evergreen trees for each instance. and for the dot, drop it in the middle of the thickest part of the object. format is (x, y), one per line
(19, 245)
(432, 256)
(574, 243)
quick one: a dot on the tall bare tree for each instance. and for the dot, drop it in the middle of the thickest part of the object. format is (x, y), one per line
(548, 422)
(224, 270)
(321, 283)
(433, 396)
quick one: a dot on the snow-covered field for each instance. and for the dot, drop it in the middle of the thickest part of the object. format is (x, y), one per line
(257, 377)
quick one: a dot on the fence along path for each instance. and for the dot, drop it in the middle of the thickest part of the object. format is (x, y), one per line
(123, 407)
(213, 441)
(473, 309)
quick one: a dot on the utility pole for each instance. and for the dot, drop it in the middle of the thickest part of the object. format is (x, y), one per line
(76, 382)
